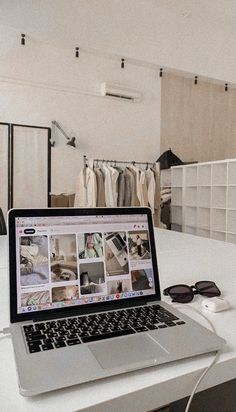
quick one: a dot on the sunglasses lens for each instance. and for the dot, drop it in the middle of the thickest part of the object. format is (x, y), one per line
(207, 288)
(181, 294)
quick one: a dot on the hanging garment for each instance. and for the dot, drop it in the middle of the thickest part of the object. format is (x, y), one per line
(109, 200)
(101, 202)
(134, 197)
(114, 176)
(86, 189)
(128, 186)
(157, 202)
(121, 189)
(151, 187)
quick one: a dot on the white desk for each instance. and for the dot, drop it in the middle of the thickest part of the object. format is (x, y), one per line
(182, 259)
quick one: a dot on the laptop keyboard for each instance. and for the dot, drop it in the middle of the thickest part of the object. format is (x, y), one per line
(60, 333)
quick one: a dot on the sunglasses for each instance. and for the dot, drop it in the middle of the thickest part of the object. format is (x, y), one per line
(185, 293)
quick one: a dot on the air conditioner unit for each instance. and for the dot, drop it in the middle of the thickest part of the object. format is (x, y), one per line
(120, 92)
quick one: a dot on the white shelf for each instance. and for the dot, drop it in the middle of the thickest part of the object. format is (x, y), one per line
(205, 201)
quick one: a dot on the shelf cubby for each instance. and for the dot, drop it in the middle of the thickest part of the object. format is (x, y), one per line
(191, 196)
(190, 216)
(218, 235)
(191, 230)
(218, 220)
(176, 215)
(231, 204)
(204, 196)
(232, 172)
(176, 228)
(203, 232)
(218, 199)
(176, 196)
(191, 175)
(204, 175)
(219, 173)
(231, 237)
(177, 177)
(203, 217)
(231, 221)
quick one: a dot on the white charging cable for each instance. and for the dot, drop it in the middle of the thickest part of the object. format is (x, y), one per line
(212, 362)
(5, 331)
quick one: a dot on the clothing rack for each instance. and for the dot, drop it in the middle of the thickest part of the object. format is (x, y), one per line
(118, 161)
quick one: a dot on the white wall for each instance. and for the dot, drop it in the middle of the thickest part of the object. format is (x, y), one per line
(41, 84)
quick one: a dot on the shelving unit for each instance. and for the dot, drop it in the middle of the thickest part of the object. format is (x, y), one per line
(204, 199)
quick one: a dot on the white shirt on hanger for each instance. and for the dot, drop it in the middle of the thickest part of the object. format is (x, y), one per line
(86, 189)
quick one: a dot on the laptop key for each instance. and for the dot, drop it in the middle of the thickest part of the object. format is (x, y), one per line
(141, 329)
(34, 349)
(59, 344)
(107, 335)
(73, 342)
(49, 346)
(151, 327)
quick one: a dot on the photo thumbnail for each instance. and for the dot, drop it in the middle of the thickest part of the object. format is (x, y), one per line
(90, 245)
(139, 246)
(116, 253)
(142, 279)
(35, 298)
(65, 293)
(33, 260)
(63, 258)
(92, 278)
(118, 286)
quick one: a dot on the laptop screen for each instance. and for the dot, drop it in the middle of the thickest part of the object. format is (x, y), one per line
(66, 261)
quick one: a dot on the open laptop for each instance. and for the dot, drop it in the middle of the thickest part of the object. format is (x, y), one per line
(85, 298)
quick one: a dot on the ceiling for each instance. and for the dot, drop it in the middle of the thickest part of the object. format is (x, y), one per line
(158, 31)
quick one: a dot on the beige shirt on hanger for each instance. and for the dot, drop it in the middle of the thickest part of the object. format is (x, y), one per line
(114, 176)
(151, 187)
(86, 189)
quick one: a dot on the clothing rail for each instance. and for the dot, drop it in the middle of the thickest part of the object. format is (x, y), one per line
(118, 161)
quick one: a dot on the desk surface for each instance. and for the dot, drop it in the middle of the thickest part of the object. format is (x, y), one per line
(182, 258)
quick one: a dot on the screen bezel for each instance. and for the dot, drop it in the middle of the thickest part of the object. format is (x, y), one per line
(85, 308)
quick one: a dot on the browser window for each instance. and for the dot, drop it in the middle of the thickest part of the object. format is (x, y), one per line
(76, 260)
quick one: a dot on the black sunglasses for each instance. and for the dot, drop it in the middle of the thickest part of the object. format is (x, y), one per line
(185, 293)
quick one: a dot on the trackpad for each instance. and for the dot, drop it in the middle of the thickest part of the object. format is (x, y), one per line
(123, 352)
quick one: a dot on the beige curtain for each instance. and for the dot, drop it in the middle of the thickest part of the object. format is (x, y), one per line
(4, 168)
(197, 121)
(30, 167)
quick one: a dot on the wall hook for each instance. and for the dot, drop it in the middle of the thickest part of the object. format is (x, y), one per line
(195, 80)
(77, 52)
(22, 39)
(122, 65)
(226, 87)
(161, 72)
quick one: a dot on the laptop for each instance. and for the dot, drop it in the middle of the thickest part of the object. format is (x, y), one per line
(85, 299)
